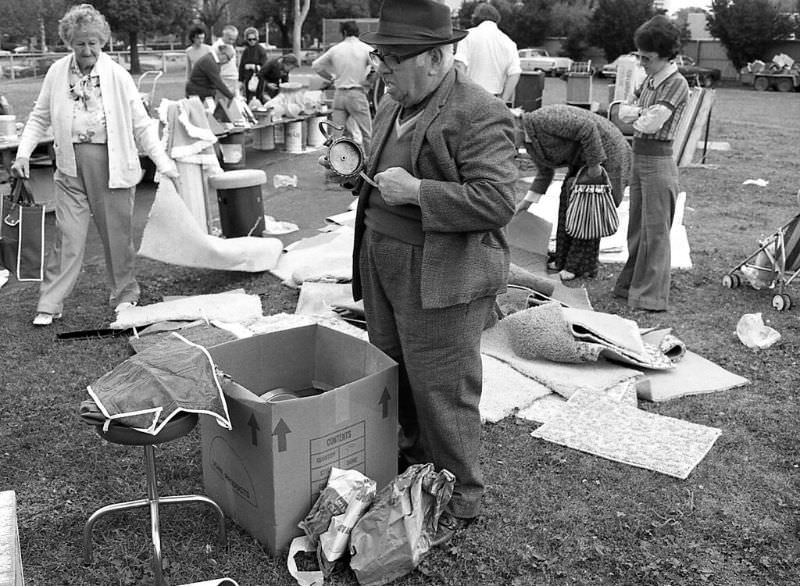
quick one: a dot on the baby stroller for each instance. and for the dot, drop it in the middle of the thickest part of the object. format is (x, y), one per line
(776, 263)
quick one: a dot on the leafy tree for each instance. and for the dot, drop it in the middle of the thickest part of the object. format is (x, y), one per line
(746, 28)
(135, 16)
(211, 14)
(23, 21)
(572, 19)
(526, 22)
(615, 21)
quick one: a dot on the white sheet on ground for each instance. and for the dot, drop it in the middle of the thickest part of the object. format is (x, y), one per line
(325, 257)
(317, 298)
(232, 306)
(614, 249)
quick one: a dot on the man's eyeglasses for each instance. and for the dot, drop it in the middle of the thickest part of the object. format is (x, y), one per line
(391, 61)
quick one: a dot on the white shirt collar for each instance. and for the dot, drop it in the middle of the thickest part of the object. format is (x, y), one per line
(659, 77)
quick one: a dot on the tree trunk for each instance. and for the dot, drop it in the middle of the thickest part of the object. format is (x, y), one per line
(133, 40)
(300, 14)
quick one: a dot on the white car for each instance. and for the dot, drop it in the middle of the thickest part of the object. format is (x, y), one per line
(538, 59)
(609, 70)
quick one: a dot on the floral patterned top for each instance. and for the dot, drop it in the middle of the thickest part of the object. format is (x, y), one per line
(88, 117)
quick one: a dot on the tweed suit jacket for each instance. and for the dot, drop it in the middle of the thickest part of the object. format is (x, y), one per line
(462, 149)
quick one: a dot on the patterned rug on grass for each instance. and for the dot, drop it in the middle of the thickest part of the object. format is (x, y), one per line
(604, 427)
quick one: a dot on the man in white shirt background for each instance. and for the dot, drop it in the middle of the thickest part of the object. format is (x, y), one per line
(488, 55)
(230, 70)
(348, 66)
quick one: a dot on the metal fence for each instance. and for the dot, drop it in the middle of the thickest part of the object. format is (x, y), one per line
(15, 66)
(32, 65)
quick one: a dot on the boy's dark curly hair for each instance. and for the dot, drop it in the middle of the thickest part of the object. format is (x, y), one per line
(659, 35)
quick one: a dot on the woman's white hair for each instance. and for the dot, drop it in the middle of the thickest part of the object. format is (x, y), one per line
(86, 18)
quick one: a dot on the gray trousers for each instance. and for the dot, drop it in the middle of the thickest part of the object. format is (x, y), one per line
(351, 111)
(438, 351)
(645, 278)
(79, 200)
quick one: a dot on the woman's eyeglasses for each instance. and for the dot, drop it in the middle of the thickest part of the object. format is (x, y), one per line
(251, 40)
(391, 61)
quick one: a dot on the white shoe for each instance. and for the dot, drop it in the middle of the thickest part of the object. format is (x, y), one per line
(45, 319)
(566, 275)
(124, 305)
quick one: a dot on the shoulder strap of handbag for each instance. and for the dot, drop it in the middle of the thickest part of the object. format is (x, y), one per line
(21, 193)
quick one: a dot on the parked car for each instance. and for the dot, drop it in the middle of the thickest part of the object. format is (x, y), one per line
(609, 70)
(695, 74)
(538, 59)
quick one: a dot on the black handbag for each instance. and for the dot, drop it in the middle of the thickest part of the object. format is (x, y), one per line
(591, 212)
(22, 232)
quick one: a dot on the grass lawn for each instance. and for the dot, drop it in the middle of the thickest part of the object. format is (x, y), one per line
(551, 515)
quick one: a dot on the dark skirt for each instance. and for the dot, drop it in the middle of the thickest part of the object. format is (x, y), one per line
(573, 254)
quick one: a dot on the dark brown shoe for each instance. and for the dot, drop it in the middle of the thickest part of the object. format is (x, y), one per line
(447, 528)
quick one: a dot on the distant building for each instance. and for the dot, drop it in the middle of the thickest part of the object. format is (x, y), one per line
(696, 22)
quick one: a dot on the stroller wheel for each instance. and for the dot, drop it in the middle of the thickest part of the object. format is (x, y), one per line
(781, 302)
(731, 281)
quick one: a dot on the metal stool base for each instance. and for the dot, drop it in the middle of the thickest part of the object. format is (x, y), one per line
(152, 501)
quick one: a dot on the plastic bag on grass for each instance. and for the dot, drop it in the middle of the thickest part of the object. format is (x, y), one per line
(754, 333)
(391, 538)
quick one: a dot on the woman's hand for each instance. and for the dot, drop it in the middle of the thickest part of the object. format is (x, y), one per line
(594, 171)
(171, 171)
(523, 206)
(21, 167)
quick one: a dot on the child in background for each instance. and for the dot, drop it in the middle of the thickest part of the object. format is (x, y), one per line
(655, 114)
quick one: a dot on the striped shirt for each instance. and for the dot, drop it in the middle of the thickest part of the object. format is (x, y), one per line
(667, 88)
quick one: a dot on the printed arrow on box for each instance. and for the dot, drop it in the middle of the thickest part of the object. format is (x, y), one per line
(281, 430)
(254, 428)
(384, 402)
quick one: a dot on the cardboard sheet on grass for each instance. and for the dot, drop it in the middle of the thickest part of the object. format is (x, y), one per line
(267, 472)
(614, 249)
(603, 427)
(528, 237)
(692, 375)
(172, 235)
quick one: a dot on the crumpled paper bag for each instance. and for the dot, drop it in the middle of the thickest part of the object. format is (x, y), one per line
(328, 524)
(392, 537)
(754, 333)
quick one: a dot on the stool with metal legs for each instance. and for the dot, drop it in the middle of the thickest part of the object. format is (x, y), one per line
(120, 434)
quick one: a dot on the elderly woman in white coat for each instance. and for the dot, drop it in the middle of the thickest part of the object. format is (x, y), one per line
(99, 125)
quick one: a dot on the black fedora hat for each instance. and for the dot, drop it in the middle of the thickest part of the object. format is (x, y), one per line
(414, 22)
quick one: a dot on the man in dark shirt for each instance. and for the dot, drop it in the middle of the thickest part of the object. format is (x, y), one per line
(205, 79)
(276, 72)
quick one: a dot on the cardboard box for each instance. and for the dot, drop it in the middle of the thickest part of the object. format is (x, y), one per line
(10, 557)
(267, 472)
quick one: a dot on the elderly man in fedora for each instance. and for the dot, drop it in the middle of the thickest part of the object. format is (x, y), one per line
(430, 251)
